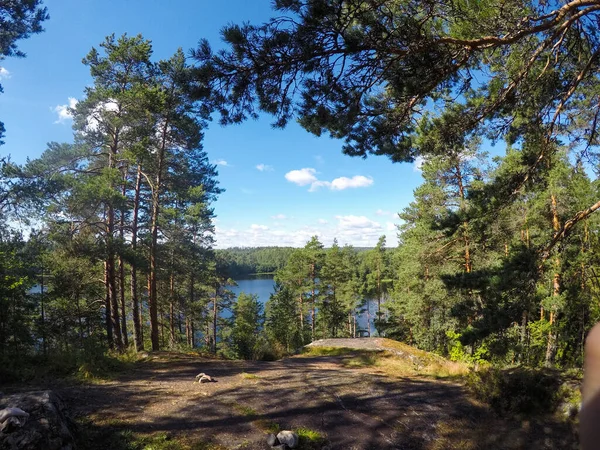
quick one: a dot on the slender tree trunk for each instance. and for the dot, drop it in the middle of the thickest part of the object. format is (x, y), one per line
(135, 306)
(172, 309)
(378, 289)
(313, 306)
(369, 316)
(110, 253)
(107, 308)
(551, 345)
(111, 281)
(43, 315)
(215, 309)
(301, 316)
(122, 263)
(188, 317)
(153, 300)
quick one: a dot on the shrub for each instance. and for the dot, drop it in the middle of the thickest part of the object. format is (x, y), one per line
(518, 390)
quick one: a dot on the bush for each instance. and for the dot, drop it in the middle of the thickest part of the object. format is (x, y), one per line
(518, 390)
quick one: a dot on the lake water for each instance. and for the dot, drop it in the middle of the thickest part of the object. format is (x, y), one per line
(263, 286)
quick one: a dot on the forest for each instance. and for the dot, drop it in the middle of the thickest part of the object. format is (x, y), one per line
(107, 242)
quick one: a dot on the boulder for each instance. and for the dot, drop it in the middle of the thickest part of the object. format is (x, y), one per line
(288, 438)
(272, 440)
(203, 378)
(45, 427)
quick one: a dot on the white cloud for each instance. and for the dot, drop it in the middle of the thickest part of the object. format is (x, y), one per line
(356, 181)
(302, 177)
(63, 110)
(220, 162)
(390, 226)
(319, 183)
(352, 221)
(264, 167)
(4, 74)
(307, 176)
(418, 164)
(358, 231)
(279, 217)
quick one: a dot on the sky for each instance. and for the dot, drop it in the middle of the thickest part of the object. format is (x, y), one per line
(281, 186)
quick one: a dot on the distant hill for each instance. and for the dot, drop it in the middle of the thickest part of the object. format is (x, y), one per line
(242, 261)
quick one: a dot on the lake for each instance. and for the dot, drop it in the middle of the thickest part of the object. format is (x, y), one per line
(261, 285)
(264, 285)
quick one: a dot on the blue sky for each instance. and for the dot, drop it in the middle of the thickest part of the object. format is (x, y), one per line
(282, 186)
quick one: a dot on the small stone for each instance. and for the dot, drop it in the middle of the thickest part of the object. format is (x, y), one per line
(288, 438)
(272, 440)
(279, 447)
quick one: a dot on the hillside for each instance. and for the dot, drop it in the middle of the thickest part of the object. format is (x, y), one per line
(347, 399)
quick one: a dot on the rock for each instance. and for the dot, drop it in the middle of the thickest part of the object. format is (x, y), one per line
(288, 438)
(272, 440)
(8, 412)
(203, 378)
(279, 447)
(46, 427)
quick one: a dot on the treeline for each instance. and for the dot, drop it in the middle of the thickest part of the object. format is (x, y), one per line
(120, 250)
(473, 278)
(242, 261)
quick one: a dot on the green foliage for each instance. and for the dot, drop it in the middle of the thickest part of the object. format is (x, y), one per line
(518, 391)
(240, 262)
(248, 318)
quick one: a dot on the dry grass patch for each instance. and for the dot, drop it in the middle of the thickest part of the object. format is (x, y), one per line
(249, 376)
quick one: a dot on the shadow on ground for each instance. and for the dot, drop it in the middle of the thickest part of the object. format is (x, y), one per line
(349, 408)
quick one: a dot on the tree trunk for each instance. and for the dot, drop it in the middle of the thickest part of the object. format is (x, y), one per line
(153, 300)
(43, 315)
(135, 306)
(313, 304)
(172, 309)
(107, 308)
(188, 317)
(122, 264)
(551, 345)
(111, 284)
(301, 316)
(215, 309)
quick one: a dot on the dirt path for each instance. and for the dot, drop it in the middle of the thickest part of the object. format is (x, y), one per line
(354, 408)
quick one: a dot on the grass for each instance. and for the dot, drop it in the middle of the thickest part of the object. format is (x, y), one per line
(310, 439)
(397, 360)
(249, 376)
(245, 410)
(115, 435)
(327, 351)
(267, 426)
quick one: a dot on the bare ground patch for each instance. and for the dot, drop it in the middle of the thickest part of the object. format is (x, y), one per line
(348, 406)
